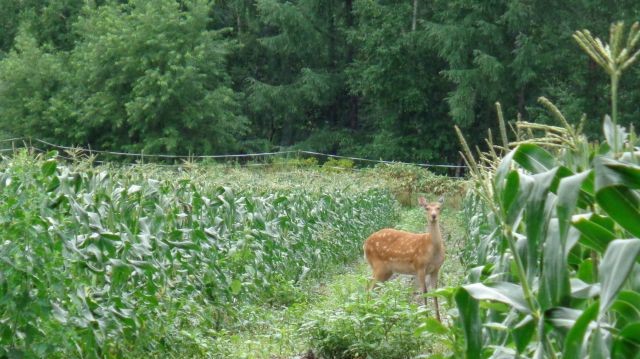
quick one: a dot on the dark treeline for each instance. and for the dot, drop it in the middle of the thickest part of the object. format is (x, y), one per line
(378, 79)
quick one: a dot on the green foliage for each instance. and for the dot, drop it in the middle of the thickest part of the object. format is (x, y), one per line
(555, 226)
(50, 21)
(113, 262)
(408, 181)
(30, 81)
(507, 51)
(393, 73)
(145, 76)
(296, 162)
(297, 85)
(374, 79)
(377, 325)
(337, 164)
(155, 68)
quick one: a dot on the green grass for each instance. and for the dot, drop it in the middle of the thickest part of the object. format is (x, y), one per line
(272, 332)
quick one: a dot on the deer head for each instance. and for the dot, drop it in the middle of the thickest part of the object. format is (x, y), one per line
(432, 208)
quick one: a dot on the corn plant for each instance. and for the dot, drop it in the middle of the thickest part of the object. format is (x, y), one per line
(101, 262)
(557, 269)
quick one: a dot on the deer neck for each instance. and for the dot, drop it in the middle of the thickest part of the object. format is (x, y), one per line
(434, 231)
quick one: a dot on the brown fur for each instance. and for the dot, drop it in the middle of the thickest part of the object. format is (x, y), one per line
(391, 251)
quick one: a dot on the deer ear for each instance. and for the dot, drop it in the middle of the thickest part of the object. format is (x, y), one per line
(422, 201)
(441, 199)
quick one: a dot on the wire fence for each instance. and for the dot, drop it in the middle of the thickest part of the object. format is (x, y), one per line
(36, 145)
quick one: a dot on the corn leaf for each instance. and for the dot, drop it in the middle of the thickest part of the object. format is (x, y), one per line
(575, 337)
(617, 262)
(534, 158)
(470, 319)
(504, 292)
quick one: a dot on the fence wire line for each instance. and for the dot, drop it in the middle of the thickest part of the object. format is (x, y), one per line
(248, 155)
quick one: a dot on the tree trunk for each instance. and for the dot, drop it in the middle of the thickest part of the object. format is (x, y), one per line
(415, 15)
(352, 100)
(521, 101)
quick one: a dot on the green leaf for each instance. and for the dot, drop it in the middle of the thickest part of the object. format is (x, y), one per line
(504, 292)
(510, 191)
(554, 282)
(626, 174)
(627, 343)
(51, 155)
(617, 262)
(533, 158)
(134, 189)
(596, 231)
(515, 195)
(504, 168)
(622, 204)
(568, 193)
(598, 348)
(563, 317)
(53, 184)
(235, 286)
(523, 332)
(587, 191)
(576, 335)
(580, 289)
(120, 272)
(432, 325)
(585, 271)
(613, 132)
(627, 307)
(59, 313)
(615, 184)
(537, 219)
(470, 319)
(49, 168)
(572, 238)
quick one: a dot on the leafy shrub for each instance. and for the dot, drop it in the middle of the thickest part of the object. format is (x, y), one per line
(407, 181)
(337, 164)
(381, 324)
(296, 162)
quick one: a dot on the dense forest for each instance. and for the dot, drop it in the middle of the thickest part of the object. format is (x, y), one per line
(371, 78)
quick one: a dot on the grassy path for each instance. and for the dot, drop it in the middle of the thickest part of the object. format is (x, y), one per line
(274, 333)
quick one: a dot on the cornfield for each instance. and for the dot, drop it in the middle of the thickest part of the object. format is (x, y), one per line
(554, 235)
(104, 261)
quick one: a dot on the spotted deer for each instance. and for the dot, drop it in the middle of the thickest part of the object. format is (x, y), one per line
(390, 251)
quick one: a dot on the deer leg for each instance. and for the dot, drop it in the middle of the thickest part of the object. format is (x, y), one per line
(372, 283)
(379, 276)
(421, 277)
(434, 285)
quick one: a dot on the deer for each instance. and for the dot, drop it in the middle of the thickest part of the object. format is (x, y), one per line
(390, 251)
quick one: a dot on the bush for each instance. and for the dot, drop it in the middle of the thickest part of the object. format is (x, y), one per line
(296, 162)
(407, 181)
(337, 164)
(381, 324)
